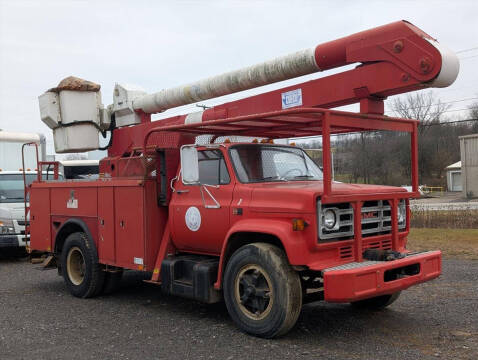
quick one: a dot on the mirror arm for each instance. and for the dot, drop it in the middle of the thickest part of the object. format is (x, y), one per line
(171, 184)
(203, 187)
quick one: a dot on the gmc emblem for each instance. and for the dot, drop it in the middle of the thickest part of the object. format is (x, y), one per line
(369, 215)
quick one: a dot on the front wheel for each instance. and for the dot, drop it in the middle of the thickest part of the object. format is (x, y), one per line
(81, 271)
(262, 292)
(377, 303)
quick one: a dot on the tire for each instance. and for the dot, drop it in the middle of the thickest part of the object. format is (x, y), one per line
(376, 303)
(262, 292)
(81, 271)
(112, 282)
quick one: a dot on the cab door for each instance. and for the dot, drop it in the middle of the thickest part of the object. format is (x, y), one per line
(200, 214)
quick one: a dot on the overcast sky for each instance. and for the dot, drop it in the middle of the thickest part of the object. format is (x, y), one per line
(160, 44)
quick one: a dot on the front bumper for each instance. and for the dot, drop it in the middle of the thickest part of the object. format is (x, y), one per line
(8, 241)
(13, 240)
(358, 281)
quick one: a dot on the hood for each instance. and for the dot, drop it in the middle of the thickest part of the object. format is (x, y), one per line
(15, 210)
(300, 196)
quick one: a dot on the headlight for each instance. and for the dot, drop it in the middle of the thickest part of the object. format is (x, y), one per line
(6, 227)
(330, 219)
(402, 212)
(335, 221)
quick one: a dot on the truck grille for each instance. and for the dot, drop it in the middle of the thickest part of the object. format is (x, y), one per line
(376, 220)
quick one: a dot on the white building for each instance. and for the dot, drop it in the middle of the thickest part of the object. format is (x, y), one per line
(453, 177)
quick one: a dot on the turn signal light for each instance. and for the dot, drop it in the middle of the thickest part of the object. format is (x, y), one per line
(298, 224)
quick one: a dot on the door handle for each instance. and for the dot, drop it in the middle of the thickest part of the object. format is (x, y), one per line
(182, 191)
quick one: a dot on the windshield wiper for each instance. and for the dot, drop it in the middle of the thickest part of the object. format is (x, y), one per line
(273, 178)
(303, 177)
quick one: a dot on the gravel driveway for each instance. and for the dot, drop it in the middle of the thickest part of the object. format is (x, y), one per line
(40, 320)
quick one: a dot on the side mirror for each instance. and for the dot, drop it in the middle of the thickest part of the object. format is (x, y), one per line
(189, 165)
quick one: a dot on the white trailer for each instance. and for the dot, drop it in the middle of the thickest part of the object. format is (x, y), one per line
(12, 203)
(11, 150)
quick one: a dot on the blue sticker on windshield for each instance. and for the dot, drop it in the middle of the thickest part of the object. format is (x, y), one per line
(291, 98)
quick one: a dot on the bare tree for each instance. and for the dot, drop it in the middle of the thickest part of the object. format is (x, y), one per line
(473, 114)
(421, 106)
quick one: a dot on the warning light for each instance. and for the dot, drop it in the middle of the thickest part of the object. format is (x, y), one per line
(298, 224)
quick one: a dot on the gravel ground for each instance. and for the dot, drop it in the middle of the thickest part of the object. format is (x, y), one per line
(40, 320)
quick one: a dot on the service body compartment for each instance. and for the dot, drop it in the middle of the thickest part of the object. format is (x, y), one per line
(40, 221)
(122, 216)
(132, 239)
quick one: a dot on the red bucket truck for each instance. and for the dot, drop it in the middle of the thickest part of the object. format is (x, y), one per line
(255, 223)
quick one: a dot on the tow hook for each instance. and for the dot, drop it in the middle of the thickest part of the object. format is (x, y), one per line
(382, 255)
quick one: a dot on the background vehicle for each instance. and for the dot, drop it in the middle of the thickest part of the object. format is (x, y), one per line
(11, 149)
(12, 203)
(258, 224)
(79, 169)
(12, 199)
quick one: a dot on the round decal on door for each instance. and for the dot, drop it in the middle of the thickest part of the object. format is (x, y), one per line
(193, 218)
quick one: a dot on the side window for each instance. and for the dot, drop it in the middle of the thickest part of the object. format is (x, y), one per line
(212, 168)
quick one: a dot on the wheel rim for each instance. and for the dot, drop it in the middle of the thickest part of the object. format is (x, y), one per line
(75, 265)
(253, 292)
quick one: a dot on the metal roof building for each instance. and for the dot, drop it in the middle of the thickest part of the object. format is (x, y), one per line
(469, 164)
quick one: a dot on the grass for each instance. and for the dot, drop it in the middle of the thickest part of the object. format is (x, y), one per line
(453, 219)
(454, 243)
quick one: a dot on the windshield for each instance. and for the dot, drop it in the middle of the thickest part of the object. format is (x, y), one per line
(81, 172)
(262, 163)
(11, 186)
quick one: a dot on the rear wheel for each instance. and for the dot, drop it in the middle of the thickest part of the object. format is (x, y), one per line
(80, 268)
(377, 303)
(262, 292)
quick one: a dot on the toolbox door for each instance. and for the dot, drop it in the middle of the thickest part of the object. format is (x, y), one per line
(106, 226)
(129, 226)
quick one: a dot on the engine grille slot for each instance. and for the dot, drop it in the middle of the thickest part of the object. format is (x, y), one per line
(346, 252)
(384, 244)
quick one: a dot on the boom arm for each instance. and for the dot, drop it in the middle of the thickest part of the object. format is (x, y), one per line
(399, 43)
(392, 59)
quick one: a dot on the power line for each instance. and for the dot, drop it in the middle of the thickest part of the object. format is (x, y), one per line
(466, 50)
(468, 57)
(466, 109)
(361, 132)
(440, 103)
(452, 122)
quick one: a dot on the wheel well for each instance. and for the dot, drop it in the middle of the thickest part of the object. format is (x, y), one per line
(66, 230)
(240, 239)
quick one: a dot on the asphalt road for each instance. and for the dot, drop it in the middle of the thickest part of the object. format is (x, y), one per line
(40, 320)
